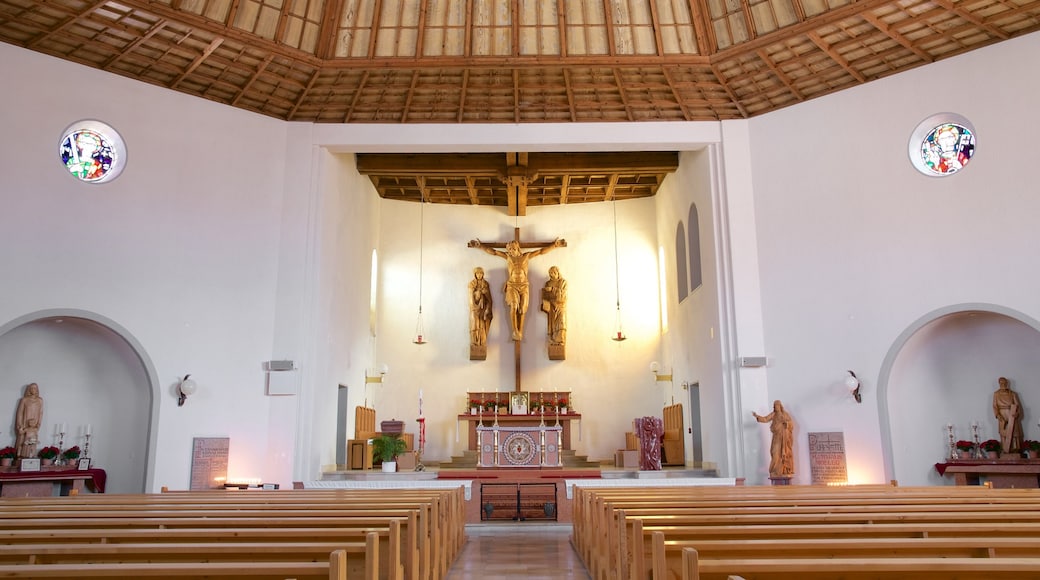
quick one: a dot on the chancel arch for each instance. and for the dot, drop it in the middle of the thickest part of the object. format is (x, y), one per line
(90, 370)
(942, 370)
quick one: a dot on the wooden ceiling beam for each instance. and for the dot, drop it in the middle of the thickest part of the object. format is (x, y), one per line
(152, 31)
(814, 23)
(780, 74)
(197, 62)
(836, 57)
(973, 19)
(896, 36)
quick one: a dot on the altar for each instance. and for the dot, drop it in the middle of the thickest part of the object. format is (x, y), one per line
(519, 446)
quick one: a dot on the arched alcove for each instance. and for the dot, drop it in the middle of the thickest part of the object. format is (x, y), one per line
(90, 371)
(943, 370)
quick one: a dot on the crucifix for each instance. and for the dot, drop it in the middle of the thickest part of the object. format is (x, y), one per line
(517, 287)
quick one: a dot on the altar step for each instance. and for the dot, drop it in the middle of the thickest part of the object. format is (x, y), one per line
(468, 460)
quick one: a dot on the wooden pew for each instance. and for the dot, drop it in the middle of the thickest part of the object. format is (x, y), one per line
(858, 568)
(669, 562)
(220, 514)
(333, 569)
(606, 543)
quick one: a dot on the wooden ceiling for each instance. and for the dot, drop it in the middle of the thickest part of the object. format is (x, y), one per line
(510, 61)
(517, 180)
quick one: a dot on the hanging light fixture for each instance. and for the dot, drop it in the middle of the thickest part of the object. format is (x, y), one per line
(419, 339)
(619, 333)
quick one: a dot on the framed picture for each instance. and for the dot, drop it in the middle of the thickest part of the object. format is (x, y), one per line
(518, 403)
(28, 464)
(84, 464)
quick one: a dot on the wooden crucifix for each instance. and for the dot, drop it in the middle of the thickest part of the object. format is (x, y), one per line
(517, 288)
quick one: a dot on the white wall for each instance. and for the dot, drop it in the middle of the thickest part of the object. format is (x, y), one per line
(610, 381)
(181, 250)
(855, 245)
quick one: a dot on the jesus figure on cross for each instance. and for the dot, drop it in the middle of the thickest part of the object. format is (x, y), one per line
(517, 289)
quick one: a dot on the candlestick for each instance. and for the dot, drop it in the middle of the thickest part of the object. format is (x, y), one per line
(953, 446)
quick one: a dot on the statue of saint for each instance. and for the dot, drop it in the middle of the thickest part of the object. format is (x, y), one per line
(781, 449)
(1008, 411)
(480, 312)
(28, 418)
(517, 288)
(554, 304)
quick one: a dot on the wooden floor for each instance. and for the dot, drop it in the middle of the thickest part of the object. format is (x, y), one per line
(532, 551)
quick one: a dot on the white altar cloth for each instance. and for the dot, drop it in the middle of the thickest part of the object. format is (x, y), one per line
(387, 484)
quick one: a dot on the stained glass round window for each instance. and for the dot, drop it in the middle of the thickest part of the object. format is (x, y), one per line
(92, 151)
(942, 145)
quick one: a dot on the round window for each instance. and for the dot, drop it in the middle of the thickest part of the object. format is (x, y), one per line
(92, 151)
(942, 145)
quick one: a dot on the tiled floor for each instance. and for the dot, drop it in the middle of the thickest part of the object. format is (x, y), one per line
(518, 550)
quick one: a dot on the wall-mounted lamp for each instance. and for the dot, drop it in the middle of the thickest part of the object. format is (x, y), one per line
(852, 382)
(184, 388)
(377, 378)
(654, 368)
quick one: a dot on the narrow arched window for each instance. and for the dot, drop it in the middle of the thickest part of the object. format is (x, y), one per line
(694, 246)
(681, 276)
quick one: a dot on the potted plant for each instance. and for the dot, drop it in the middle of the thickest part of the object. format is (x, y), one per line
(48, 454)
(964, 448)
(490, 406)
(387, 447)
(72, 453)
(7, 456)
(474, 406)
(1031, 447)
(563, 404)
(991, 447)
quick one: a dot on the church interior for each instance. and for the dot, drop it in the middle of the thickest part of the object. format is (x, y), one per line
(717, 207)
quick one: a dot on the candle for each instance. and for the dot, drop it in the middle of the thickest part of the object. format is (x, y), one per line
(88, 429)
(420, 402)
(61, 428)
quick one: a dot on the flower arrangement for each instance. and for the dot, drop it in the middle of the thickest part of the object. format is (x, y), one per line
(474, 403)
(490, 405)
(963, 445)
(48, 452)
(990, 445)
(71, 453)
(1027, 445)
(562, 402)
(8, 453)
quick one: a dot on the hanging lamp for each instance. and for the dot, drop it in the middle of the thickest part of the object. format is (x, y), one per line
(619, 333)
(419, 336)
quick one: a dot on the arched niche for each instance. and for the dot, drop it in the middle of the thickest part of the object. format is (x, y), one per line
(90, 370)
(943, 369)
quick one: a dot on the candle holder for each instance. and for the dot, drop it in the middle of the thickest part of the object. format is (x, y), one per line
(978, 453)
(86, 445)
(60, 459)
(952, 444)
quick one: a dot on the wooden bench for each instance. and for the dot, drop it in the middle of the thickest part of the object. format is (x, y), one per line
(435, 531)
(668, 560)
(858, 568)
(333, 569)
(615, 545)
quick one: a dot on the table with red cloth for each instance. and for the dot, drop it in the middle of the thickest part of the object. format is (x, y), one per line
(1003, 473)
(14, 483)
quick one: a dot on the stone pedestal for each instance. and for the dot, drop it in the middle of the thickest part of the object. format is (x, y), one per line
(478, 352)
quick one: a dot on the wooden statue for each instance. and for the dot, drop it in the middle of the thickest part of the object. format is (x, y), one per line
(480, 314)
(781, 449)
(28, 419)
(554, 304)
(517, 288)
(1008, 411)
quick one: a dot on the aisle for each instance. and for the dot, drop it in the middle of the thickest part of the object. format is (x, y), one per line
(518, 550)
